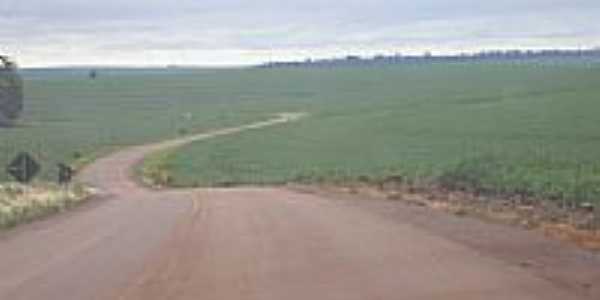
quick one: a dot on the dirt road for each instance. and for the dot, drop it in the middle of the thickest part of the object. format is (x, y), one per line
(275, 243)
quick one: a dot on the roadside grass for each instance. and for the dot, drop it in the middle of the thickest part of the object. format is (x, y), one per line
(490, 128)
(21, 204)
(154, 172)
(571, 182)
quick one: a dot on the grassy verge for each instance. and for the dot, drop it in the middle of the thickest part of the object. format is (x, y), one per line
(21, 204)
(154, 171)
(570, 182)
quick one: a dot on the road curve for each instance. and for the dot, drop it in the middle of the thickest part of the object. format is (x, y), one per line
(274, 243)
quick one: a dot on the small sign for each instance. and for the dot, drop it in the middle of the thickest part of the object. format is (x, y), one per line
(23, 168)
(65, 174)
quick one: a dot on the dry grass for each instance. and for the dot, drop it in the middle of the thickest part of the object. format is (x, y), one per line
(21, 204)
(578, 226)
(586, 239)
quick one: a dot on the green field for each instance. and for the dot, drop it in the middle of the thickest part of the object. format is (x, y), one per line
(524, 128)
(69, 118)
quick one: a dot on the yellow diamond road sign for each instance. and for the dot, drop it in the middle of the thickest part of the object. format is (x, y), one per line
(23, 168)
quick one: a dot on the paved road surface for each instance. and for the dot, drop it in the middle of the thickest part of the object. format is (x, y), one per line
(272, 244)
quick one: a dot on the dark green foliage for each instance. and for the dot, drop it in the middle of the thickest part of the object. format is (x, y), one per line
(11, 92)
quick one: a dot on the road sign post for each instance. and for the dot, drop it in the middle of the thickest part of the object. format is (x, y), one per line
(65, 174)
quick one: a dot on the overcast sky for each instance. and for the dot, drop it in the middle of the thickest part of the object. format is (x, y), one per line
(233, 32)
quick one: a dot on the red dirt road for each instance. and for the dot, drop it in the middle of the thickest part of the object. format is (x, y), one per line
(275, 243)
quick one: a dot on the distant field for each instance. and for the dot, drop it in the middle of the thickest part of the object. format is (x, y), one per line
(523, 128)
(70, 118)
(527, 129)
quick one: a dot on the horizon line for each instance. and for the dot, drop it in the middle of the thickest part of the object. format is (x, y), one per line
(431, 53)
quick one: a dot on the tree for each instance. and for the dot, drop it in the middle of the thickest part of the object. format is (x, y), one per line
(11, 92)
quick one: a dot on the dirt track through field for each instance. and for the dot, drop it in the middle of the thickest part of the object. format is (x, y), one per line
(274, 243)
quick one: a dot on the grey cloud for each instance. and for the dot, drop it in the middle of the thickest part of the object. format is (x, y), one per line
(93, 28)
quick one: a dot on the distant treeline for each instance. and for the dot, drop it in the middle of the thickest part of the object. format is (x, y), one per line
(554, 55)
